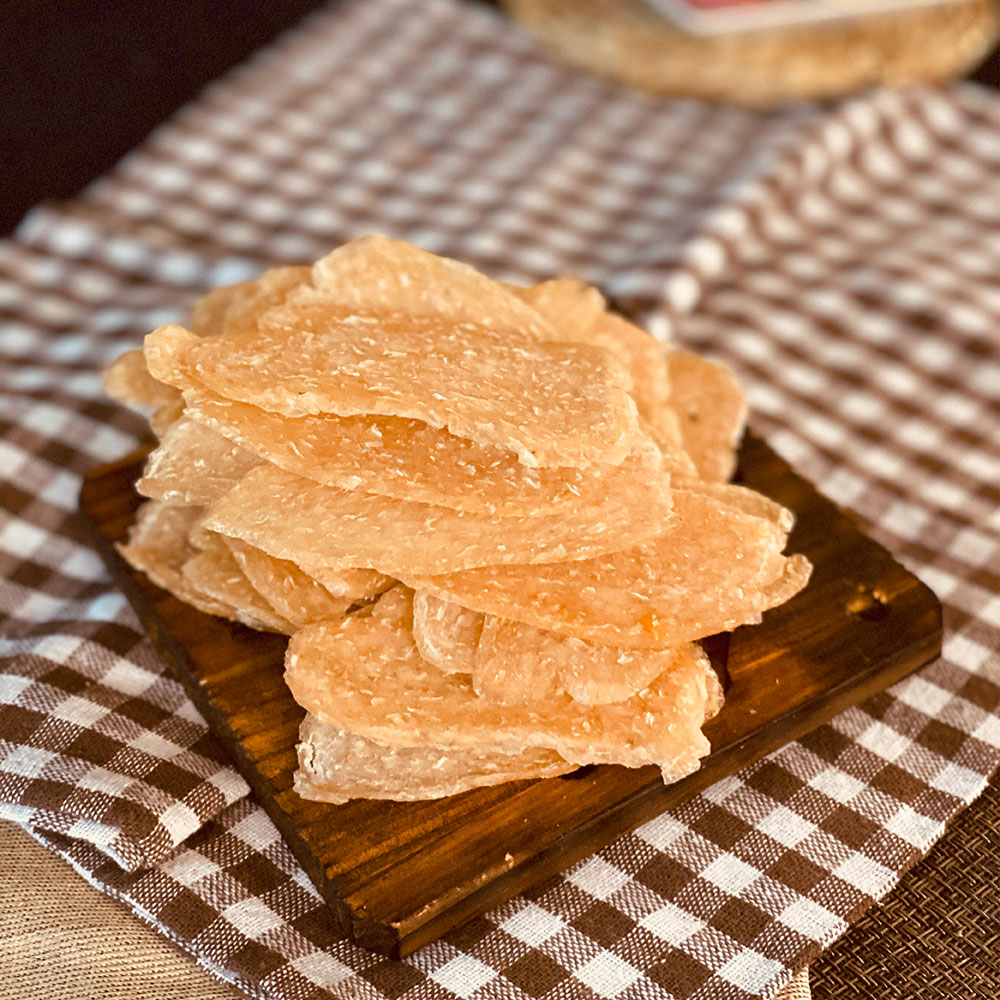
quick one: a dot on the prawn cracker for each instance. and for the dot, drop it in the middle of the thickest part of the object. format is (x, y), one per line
(309, 360)
(297, 519)
(214, 573)
(289, 590)
(711, 411)
(365, 675)
(714, 567)
(194, 465)
(410, 460)
(336, 766)
(378, 274)
(446, 634)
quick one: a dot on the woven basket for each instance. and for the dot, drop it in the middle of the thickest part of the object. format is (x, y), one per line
(628, 42)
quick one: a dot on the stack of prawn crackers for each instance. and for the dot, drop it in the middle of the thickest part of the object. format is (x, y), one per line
(494, 520)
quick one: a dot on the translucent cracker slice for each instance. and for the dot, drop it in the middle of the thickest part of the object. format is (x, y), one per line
(208, 315)
(446, 634)
(377, 274)
(578, 312)
(297, 519)
(409, 460)
(194, 465)
(127, 379)
(214, 573)
(272, 289)
(291, 592)
(570, 305)
(365, 675)
(749, 501)
(516, 664)
(711, 410)
(158, 546)
(359, 585)
(553, 404)
(164, 416)
(715, 567)
(336, 766)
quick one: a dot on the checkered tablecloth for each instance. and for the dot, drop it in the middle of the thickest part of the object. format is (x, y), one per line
(844, 260)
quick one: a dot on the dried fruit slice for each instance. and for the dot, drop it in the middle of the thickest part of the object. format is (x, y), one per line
(553, 404)
(711, 410)
(377, 274)
(516, 663)
(290, 591)
(409, 460)
(365, 675)
(214, 573)
(715, 567)
(446, 634)
(127, 379)
(294, 518)
(194, 465)
(335, 766)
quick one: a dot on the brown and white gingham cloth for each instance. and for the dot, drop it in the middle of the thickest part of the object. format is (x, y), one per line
(844, 260)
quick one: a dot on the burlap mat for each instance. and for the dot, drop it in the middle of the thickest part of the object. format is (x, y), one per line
(937, 934)
(60, 939)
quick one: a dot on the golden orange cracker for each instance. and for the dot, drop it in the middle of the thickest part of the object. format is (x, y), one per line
(578, 312)
(214, 573)
(272, 289)
(553, 404)
(208, 314)
(409, 460)
(516, 663)
(704, 574)
(445, 633)
(366, 676)
(297, 519)
(127, 379)
(572, 307)
(377, 274)
(289, 590)
(336, 766)
(359, 585)
(163, 417)
(158, 545)
(711, 410)
(194, 465)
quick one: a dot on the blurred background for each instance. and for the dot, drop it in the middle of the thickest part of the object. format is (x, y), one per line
(83, 82)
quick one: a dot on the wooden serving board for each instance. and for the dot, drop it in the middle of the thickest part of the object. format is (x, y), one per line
(398, 875)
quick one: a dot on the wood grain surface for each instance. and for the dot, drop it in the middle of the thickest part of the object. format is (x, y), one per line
(398, 875)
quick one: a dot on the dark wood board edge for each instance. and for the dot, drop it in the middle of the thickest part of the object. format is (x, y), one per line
(400, 938)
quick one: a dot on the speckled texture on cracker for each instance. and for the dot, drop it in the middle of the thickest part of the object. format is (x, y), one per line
(336, 766)
(551, 403)
(366, 676)
(715, 567)
(410, 460)
(297, 519)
